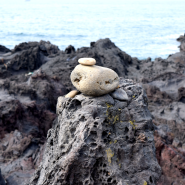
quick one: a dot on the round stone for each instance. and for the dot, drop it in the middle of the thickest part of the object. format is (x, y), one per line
(71, 94)
(119, 94)
(94, 80)
(87, 61)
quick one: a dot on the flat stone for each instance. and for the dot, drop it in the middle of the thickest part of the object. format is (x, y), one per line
(119, 94)
(94, 80)
(87, 61)
(71, 94)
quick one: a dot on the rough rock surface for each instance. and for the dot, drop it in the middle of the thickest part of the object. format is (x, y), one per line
(32, 76)
(25, 96)
(164, 82)
(27, 104)
(101, 141)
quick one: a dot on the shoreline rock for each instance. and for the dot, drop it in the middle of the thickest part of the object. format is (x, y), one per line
(92, 140)
(28, 102)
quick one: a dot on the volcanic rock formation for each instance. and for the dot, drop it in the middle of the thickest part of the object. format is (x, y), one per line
(27, 108)
(34, 74)
(101, 140)
(164, 83)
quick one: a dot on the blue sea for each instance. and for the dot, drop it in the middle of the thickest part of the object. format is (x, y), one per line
(142, 28)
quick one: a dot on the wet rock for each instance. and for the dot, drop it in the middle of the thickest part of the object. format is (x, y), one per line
(94, 80)
(119, 94)
(100, 140)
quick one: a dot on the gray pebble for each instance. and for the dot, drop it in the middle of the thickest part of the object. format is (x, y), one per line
(119, 94)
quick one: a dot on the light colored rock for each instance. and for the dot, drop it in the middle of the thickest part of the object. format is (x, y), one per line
(176, 143)
(119, 94)
(71, 94)
(183, 147)
(87, 61)
(94, 80)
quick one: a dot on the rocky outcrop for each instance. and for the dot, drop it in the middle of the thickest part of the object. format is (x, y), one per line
(26, 57)
(34, 74)
(170, 156)
(3, 49)
(20, 154)
(28, 99)
(164, 82)
(101, 140)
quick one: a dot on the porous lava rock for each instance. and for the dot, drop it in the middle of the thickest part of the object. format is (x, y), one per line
(28, 100)
(100, 140)
(164, 83)
(20, 154)
(32, 76)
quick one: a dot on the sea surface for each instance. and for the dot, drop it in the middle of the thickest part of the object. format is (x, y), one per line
(142, 28)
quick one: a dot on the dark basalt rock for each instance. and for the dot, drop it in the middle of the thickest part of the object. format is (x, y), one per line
(70, 49)
(27, 104)
(26, 57)
(27, 101)
(2, 182)
(163, 80)
(3, 49)
(100, 140)
(33, 75)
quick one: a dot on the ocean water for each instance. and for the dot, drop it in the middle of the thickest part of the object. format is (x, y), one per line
(142, 28)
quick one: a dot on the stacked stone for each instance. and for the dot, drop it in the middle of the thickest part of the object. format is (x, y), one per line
(95, 80)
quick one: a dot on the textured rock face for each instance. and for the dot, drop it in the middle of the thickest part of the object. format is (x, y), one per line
(164, 82)
(100, 141)
(28, 101)
(2, 182)
(94, 80)
(20, 154)
(27, 108)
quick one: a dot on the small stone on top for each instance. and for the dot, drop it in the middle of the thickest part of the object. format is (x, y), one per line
(87, 61)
